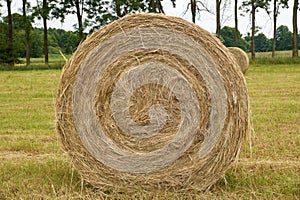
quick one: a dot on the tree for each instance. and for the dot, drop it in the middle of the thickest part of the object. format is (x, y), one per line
(236, 33)
(155, 6)
(197, 7)
(295, 29)
(27, 32)
(66, 41)
(36, 43)
(123, 7)
(253, 9)
(58, 39)
(193, 5)
(262, 43)
(0, 8)
(218, 14)
(254, 4)
(4, 57)
(43, 10)
(218, 18)
(79, 12)
(227, 37)
(18, 37)
(284, 38)
(100, 13)
(10, 34)
(19, 43)
(77, 7)
(276, 6)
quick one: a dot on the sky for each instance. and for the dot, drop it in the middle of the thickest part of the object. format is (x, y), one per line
(206, 20)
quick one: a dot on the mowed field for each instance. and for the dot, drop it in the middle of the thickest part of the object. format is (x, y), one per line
(33, 164)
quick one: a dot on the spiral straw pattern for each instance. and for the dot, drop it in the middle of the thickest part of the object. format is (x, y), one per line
(152, 101)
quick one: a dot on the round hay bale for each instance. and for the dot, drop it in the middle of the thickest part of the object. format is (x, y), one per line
(240, 57)
(152, 102)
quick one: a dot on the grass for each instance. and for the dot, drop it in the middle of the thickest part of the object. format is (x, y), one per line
(281, 57)
(34, 166)
(56, 61)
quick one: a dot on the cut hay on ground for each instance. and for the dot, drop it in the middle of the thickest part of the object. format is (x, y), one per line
(240, 57)
(152, 102)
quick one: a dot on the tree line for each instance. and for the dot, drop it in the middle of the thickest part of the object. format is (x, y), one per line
(15, 27)
(58, 40)
(283, 40)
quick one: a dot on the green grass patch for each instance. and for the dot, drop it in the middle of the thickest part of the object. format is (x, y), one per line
(56, 61)
(47, 177)
(32, 67)
(261, 181)
(260, 60)
(27, 101)
(280, 58)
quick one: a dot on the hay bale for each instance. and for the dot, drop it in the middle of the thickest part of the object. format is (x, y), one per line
(240, 57)
(152, 102)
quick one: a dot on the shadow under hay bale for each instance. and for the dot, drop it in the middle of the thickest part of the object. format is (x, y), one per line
(152, 102)
(240, 57)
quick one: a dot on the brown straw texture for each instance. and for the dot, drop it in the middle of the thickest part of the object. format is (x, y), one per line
(240, 57)
(152, 102)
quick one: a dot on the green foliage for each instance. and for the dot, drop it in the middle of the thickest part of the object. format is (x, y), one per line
(3, 43)
(227, 36)
(36, 43)
(17, 21)
(100, 13)
(284, 38)
(263, 4)
(58, 39)
(262, 43)
(282, 4)
(65, 7)
(42, 10)
(78, 7)
(66, 41)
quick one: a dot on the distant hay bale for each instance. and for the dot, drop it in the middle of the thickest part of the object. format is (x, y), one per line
(241, 58)
(152, 102)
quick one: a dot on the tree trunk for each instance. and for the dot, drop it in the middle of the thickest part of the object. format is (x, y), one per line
(295, 29)
(275, 10)
(27, 34)
(160, 7)
(152, 5)
(118, 8)
(10, 35)
(193, 10)
(253, 30)
(236, 33)
(218, 18)
(79, 19)
(44, 16)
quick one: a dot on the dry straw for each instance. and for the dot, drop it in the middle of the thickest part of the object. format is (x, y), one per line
(152, 102)
(241, 58)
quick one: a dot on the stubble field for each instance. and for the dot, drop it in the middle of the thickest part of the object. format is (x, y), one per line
(33, 164)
